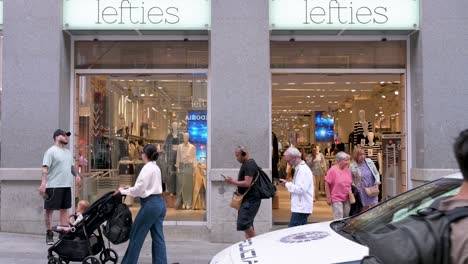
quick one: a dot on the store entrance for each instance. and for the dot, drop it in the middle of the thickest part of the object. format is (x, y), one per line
(322, 112)
(117, 114)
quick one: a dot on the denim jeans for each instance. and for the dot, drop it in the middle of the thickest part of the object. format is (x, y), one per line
(149, 218)
(298, 219)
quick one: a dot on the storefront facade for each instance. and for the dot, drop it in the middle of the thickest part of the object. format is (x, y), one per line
(130, 70)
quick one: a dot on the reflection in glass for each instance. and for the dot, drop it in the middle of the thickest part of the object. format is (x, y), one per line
(141, 55)
(118, 114)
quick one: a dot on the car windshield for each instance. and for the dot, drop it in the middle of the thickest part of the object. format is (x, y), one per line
(399, 207)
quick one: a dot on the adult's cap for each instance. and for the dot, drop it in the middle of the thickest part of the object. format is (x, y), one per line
(59, 132)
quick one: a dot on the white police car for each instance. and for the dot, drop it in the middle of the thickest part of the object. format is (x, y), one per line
(335, 241)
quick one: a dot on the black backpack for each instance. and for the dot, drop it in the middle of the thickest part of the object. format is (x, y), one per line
(421, 238)
(265, 188)
(118, 227)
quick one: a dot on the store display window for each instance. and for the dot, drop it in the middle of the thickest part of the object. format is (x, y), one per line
(117, 114)
(322, 114)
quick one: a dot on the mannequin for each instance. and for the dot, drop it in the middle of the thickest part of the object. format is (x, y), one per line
(373, 151)
(361, 129)
(121, 126)
(185, 164)
(144, 127)
(328, 149)
(173, 139)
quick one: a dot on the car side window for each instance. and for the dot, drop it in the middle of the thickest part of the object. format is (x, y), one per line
(426, 202)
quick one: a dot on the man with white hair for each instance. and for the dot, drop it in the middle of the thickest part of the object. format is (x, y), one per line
(301, 188)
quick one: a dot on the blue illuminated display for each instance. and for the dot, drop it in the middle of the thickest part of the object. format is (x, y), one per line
(197, 127)
(198, 131)
(324, 128)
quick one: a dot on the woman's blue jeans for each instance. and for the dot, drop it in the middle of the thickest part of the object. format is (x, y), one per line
(298, 219)
(149, 218)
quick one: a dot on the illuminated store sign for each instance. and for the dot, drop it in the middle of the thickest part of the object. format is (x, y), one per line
(344, 14)
(136, 14)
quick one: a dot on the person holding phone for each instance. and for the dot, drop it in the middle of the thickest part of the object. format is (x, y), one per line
(251, 202)
(301, 188)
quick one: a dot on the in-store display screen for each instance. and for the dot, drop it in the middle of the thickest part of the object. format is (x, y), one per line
(324, 127)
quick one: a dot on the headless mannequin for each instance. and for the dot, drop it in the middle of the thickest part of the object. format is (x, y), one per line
(121, 125)
(186, 161)
(370, 137)
(144, 124)
(175, 132)
(361, 129)
(363, 122)
(173, 139)
(370, 149)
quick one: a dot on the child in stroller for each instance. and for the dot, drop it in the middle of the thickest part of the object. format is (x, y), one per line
(85, 240)
(74, 219)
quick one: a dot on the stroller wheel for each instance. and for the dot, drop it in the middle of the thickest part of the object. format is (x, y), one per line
(109, 254)
(63, 261)
(91, 260)
(54, 260)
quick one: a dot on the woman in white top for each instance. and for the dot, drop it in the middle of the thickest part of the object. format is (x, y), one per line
(153, 210)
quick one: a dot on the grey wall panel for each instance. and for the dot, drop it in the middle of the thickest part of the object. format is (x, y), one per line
(439, 82)
(35, 101)
(239, 80)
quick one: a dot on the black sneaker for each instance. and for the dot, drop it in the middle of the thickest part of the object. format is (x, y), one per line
(49, 237)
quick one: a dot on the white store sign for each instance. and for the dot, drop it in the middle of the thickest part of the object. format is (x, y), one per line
(136, 14)
(344, 14)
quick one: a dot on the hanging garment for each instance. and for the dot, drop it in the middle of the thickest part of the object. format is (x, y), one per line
(199, 187)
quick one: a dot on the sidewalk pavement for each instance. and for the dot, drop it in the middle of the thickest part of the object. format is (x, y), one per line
(32, 249)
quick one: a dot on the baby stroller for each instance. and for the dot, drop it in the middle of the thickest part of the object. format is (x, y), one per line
(82, 243)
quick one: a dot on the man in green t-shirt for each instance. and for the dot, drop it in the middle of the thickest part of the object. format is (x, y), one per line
(57, 179)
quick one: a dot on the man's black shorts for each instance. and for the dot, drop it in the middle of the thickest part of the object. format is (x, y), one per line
(57, 198)
(247, 213)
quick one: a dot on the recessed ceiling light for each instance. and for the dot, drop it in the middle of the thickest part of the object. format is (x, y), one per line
(383, 96)
(291, 83)
(151, 94)
(321, 96)
(308, 96)
(160, 87)
(142, 94)
(299, 102)
(397, 93)
(353, 90)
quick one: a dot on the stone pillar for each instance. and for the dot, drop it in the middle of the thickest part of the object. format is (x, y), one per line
(239, 81)
(438, 88)
(35, 102)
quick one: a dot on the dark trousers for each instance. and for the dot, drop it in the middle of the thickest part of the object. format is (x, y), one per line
(149, 218)
(298, 219)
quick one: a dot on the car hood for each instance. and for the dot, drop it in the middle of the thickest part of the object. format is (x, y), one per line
(313, 243)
